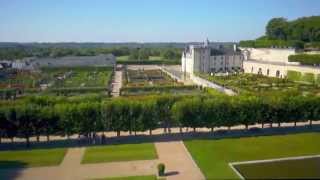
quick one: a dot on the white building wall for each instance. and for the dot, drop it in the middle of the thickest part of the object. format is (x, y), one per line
(269, 54)
(271, 69)
(264, 69)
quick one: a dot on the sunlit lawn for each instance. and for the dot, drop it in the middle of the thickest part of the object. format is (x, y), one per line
(127, 152)
(31, 158)
(132, 178)
(213, 156)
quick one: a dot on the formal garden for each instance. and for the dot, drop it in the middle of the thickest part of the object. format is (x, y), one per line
(253, 84)
(58, 81)
(154, 81)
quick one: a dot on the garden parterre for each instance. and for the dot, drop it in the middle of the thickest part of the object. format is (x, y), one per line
(253, 84)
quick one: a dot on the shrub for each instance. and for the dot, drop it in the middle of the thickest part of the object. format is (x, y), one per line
(161, 169)
(267, 43)
(134, 62)
(306, 59)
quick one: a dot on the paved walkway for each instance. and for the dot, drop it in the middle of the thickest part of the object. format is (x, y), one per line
(117, 83)
(71, 169)
(178, 161)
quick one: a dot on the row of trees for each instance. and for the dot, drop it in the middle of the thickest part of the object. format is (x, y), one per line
(40, 116)
(134, 53)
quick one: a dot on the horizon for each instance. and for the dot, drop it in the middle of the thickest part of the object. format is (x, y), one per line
(143, 21)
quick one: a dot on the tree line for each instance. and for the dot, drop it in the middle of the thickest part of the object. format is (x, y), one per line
(300, 33)
(142, 53)
(35, 116)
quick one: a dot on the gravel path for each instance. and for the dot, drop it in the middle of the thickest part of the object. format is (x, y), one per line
(117, 83)
(178, 161)
(71, 169)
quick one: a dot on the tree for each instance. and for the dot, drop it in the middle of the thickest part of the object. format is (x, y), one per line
(26, 117)
(277, 28)
(148, 116)
(50, 121)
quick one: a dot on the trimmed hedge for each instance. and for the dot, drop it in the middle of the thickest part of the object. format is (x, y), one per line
(306, 59)
(298, 76)
(66, 91)
(270, 43)
(146, 62)
(126, 90)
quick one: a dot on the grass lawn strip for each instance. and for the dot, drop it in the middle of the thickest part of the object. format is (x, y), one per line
(131, 178)
(31, 158)
(114, 153)
(304, 167)
(213, 156)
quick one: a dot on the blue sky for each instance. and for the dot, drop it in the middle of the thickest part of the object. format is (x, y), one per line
(143, 20)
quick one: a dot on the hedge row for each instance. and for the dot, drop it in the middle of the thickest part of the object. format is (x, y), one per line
(67, 91)
(162, 89)
(150, 62)
(306, 77)
(271, 43)
(46, 116)
(306, 59)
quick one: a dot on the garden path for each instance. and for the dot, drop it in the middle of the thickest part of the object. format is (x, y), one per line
(117, 82)
(72, 169)
(179, 163)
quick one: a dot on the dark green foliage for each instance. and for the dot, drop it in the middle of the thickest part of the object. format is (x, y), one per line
(156, 89)
(36, 115)
(161, 169)
(268, 43)
(283, 33)
(277, 28)
(136, 62)
(306, 59)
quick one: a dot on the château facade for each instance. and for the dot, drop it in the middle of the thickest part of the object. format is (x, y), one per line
(272, 62)
(203, 58)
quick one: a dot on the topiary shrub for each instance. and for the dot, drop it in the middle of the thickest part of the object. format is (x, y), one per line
(161, 169)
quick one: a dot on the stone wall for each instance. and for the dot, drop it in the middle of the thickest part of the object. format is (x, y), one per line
(269, 54)
(269, 69)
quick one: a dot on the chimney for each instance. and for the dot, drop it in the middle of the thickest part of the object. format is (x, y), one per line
(235, 47)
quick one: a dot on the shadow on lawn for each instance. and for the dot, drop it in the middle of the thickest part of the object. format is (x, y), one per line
(11, 170)
(136, 139)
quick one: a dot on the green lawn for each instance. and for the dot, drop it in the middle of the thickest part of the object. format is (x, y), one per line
(132, 178)
(213, 156)
(122, 58)
(31, 158)
(155, 58)
(292, 169)
(127, 152)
